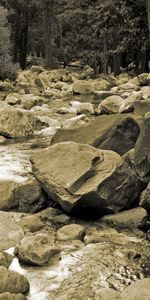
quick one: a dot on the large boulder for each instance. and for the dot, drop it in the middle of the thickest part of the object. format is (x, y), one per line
(12, 282)
(116, 132)
(81, 178)
(142, 150)
(37, 250)
(14, 122)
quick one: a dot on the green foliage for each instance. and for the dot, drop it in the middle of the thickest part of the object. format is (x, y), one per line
(7, 68)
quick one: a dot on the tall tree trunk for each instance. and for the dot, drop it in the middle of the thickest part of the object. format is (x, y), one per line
(16, 41)
(48, 34)
(23, 46)
(142, 62)
(148, 15)
(116, 62)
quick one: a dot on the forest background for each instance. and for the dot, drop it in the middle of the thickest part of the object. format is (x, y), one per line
(108, 35)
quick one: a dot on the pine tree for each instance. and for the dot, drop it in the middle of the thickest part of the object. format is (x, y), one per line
(7, 68)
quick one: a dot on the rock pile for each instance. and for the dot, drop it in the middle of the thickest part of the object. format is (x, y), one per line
(96, 163)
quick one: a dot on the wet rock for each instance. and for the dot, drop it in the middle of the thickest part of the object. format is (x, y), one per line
(12, 282)
(28, 196)
(129, 219)
(31, 223)
(7, 189)
(142, 151)
(37, 249)
(70, 232)
(137, 291)
(104, 132)
(82, 87)
(13, 122)
(80, 177)
(110, 105)
(10, 231)
(10, 296)
(5, 259)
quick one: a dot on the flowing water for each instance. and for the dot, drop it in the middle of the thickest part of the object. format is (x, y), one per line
(15, 156)
(80, 273)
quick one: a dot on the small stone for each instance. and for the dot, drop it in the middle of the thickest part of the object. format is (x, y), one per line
(71, 232)
(31, 223)
(37, 250)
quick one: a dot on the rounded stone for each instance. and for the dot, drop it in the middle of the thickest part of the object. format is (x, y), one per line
(71, 232)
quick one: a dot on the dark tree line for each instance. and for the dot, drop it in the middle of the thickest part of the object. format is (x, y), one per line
(106, 34)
